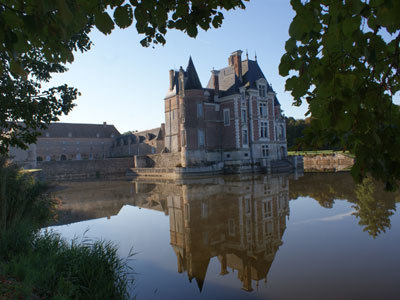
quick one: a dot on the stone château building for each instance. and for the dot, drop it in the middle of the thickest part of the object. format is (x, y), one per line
(237, 117)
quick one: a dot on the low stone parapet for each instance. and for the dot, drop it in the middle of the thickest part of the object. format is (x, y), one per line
(327, 162)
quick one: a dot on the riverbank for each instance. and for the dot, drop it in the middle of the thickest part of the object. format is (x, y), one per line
(37, 264)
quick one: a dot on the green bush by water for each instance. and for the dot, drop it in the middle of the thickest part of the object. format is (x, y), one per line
(42, 263)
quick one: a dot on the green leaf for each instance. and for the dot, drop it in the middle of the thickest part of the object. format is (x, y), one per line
(350, 25)
(16, 68)
(286, 65)
(123, 16)
(103, 22)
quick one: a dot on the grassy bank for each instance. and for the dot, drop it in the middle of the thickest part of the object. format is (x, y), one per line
(35, 265)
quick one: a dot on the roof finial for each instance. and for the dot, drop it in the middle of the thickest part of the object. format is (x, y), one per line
(255, 55)
(247, 55)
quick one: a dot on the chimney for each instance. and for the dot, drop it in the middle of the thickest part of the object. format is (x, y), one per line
(215, 81)
(171, 79)
(236, 60)
(104, 123)
(181, 79)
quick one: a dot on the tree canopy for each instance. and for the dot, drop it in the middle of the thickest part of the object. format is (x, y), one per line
(38, 37)
(342, 58)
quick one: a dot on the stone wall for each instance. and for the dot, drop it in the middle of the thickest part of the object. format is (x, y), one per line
(164, 160)
(65, 170)
(64, 148)
(327, 162)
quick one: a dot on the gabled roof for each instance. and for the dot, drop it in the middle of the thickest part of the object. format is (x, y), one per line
(74, 130)
(229, 83)
(193, 81)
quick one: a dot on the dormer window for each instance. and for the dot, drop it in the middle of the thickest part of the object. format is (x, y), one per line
(243, 95)
(69, 134)
(47, 134)
(262, 91)
(97, 135)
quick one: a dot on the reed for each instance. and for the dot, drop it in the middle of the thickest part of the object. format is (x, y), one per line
(39, 263)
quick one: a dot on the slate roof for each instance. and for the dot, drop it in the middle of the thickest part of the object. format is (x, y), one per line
(193, 81)
(76, 130)
(229, 83)
(150, 134)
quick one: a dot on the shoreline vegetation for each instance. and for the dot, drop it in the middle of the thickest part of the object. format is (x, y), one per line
(39, 264)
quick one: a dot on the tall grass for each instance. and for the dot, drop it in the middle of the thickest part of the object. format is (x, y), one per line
(21, 198)
(42, 264)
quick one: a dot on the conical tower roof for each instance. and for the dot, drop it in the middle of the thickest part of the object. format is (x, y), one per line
(193, 81)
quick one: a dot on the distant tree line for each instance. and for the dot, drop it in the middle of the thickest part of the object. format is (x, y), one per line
(294, 132)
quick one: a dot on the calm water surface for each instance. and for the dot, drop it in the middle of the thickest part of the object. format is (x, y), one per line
(264, 237)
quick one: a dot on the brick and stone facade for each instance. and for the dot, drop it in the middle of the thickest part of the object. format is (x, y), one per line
(237, 117)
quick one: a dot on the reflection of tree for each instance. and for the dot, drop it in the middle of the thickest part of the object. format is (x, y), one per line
(374, 212)
(323, 187)
(373, 205)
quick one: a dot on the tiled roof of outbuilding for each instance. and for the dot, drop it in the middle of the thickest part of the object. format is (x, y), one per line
(76, 130)
(150, 133)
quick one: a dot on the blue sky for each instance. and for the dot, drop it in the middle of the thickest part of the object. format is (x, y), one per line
(124, 83)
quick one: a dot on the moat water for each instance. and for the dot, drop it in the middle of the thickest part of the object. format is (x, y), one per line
(317, 236)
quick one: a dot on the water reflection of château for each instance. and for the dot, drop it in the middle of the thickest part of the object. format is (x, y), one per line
(241, 222)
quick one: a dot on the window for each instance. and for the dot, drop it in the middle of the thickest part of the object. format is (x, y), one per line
(173, 115)
(245, 137)
(247, 205)
(267, 209)
(269, 228)
(227, 117)
(264, 150)
(183, 138)
(199, 110)
(187, 212)
(204, 210)
(243, 95)
(261, 90)
(244, 115)
(281, 132)
(231, 227)
(248, 228)
(263, 129)
(263, 109)
(201, 137)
